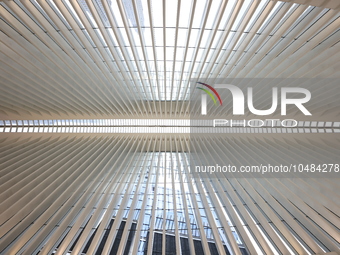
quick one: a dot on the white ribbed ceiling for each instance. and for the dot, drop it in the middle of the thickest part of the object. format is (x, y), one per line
(97, 141)
(74, 59)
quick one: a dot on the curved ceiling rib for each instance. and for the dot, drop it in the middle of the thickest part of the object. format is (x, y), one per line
(78, 59)
(105, 147)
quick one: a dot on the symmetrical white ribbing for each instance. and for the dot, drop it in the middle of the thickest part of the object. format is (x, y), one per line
(136, 58)
(103, 145)
(57, 191)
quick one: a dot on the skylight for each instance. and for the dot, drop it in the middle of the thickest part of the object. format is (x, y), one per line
(148, 51)
(157, 126)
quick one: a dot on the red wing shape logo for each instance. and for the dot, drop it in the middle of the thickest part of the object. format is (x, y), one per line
(209, 93)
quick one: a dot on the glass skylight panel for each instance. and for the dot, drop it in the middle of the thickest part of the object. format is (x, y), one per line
(150, 56)
(169, 55)
(206, 39)
(183, 15)
(187, 66)
(135, 38)
(159, 39)
(211, 53)
(240, 41)
(147, 37)
(101, 12)
(213, 14)
(170, 84)
(228, 40)
(253, 40)
(170, 37)
(129, 13)
(123, 39)
(100, 36)
(226, 14)
(178, 66)
(271, 15)
(157, 13)
(143, 68)
(171, 13)
(239, 18)
(88, 37)
(182, 37)
(88, 14)
(199, 13)
(58, 13)
(100, 56)
(193, 37)
(108, 52)
(131, 58)
(143, 13)
(112, 36)
(258, 12)
(73, 13)
(216, 40)
(159, 57)
(196, 68)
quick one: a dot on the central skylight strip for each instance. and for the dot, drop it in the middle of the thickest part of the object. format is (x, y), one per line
(167, 126)
(167, 123)
(165, 130)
